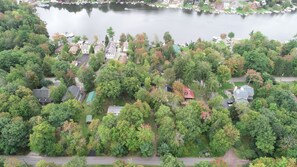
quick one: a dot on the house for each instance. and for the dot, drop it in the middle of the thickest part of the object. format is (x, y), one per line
(98, 47)
(89, 119)
(111, 50)
(73, 92)
(226, 5)
(188, 93)
(83, 60)
(74, 49)
(176, 49)
(125, 47)
(91, 97)
(243, 94)
(116, 110)
(43, 95)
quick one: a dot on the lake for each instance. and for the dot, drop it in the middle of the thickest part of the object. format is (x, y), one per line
(183, 25)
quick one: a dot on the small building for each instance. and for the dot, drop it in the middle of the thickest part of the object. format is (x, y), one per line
(73, 49)
(188, 93)
(73, 92)
(243, 94)
(111, 50)
(176, 49)
(91, 97)
(116, 110)
(89, 119)
(99, 47)
(43, 95)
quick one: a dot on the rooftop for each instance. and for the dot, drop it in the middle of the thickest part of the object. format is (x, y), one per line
(116, 110)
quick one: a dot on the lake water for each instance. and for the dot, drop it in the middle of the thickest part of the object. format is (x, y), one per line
(183, 25)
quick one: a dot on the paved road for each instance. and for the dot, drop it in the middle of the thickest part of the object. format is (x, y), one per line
(277, 79)
(32, 160)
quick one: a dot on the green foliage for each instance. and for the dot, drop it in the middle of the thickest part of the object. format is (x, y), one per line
(56, 114)
(110, 32)
(170, 161)
(14, 136)
(76, 162)
(87, 77)
(42, 140)
(57, 93)
(97, 60)
(43, 163)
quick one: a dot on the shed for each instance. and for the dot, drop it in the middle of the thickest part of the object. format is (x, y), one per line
(91, 97)
(188, 93)
(89, 119)
(116, 110)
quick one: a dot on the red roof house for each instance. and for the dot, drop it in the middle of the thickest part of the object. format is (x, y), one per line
(188, 93)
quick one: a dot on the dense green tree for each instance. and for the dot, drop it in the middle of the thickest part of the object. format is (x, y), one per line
(110, 32)
(224, 73)
(43, 140)
(14, 136)
(170, 161)
(76, 162)
(223, 139)
(57, 93)
(97, 60)
(87, 77)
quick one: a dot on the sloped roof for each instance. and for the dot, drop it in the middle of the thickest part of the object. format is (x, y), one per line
(43, 94)
(116, 110)
(89, 118)
(91, 97)
(243, 93)
(188, 93)
(72, 92)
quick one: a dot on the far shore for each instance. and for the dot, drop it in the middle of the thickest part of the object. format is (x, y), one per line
(193, 8)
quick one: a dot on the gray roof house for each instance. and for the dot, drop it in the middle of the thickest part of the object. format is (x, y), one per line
(43, 95)
(73, 92)
(116, 110)
(243, 94)
(111, 50)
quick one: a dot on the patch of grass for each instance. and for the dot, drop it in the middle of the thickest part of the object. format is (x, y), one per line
(239, 83)
(225, 86)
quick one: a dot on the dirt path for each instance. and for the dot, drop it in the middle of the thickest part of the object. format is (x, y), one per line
(232, 160)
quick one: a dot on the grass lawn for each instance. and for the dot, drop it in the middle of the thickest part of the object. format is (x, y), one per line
(239, 83)
(224, 87)
(112, 166)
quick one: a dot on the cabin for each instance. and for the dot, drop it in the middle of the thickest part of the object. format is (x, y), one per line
(89, 119)
(116, 110)
(188, 93)
(43, 95)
